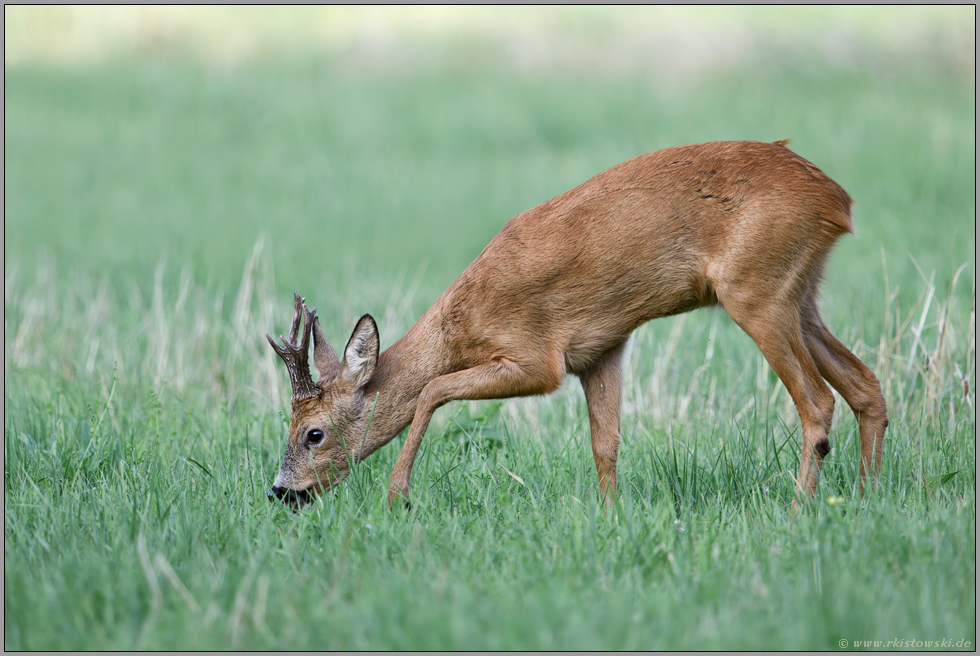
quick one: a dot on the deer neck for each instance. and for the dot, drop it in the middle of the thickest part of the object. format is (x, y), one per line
(402, 372)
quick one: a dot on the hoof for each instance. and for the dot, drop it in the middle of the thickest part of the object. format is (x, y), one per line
(396, 498)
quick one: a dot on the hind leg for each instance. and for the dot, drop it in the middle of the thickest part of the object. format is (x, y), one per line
(854, 381)
(774, 325)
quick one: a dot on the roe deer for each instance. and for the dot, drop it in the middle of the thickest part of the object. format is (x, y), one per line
(560, 289)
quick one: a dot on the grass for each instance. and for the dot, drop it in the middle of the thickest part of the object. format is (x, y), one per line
(159, 211)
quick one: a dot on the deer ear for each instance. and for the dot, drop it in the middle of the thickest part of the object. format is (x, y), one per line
(361, 354)
(324, 358)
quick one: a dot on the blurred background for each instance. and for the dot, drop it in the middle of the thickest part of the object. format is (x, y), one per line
(364, 156)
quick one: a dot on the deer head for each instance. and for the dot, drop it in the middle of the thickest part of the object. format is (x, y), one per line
(329, 418)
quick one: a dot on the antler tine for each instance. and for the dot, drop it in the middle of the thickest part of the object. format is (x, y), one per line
(279, 351)
(297, 314)
(304, 347)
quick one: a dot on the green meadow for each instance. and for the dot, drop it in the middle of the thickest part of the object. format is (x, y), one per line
(166, 191)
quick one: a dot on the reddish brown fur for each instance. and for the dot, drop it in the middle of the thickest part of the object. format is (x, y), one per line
(562, 286)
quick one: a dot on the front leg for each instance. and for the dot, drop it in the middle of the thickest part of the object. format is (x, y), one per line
(497, 379)
(603, 385)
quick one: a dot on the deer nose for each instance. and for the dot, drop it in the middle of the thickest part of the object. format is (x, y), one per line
(286, 495)
(277, 493)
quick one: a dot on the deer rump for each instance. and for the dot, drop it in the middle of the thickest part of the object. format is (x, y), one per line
(562, 286)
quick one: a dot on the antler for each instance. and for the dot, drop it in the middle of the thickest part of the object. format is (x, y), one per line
(297, 356)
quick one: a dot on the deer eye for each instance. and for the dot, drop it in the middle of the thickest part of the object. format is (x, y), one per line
(315, 436)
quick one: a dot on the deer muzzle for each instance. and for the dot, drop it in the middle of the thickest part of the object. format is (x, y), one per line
(295, 498)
